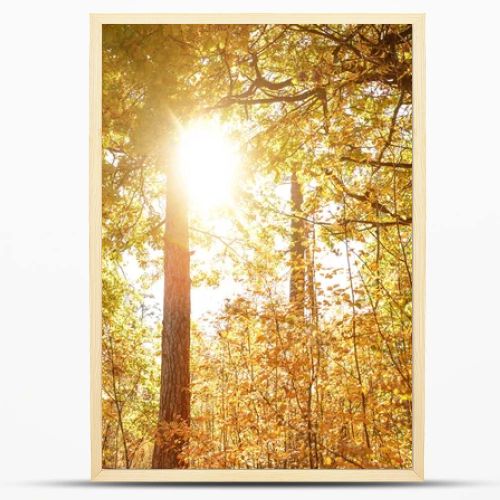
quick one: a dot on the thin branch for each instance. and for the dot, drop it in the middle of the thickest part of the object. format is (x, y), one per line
(375, 163)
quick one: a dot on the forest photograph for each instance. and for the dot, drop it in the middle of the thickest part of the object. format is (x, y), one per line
(256, 248)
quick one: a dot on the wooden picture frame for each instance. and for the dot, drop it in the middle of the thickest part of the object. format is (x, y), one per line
(264, 475)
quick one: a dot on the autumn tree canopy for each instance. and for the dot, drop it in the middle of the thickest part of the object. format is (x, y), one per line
(292, 297)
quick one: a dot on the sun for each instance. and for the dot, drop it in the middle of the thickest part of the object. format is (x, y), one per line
(208, 159)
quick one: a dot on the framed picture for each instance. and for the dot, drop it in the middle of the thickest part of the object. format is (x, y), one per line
(257, 247)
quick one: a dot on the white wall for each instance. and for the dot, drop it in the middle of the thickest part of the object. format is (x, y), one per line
(44, 428)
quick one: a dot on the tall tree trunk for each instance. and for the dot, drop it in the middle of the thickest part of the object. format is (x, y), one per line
(310, 265)
(175, 387)
(297, 248)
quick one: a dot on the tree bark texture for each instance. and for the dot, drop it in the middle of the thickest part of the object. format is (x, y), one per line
(175, 385)
(297, 248)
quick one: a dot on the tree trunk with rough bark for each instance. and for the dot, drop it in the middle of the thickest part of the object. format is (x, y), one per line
(174, 412)
(297, 248)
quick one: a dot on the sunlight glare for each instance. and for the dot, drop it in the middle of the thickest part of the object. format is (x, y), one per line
(208, 159)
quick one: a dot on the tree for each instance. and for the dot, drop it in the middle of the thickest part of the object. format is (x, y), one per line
(174, 386)
(297, 250)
